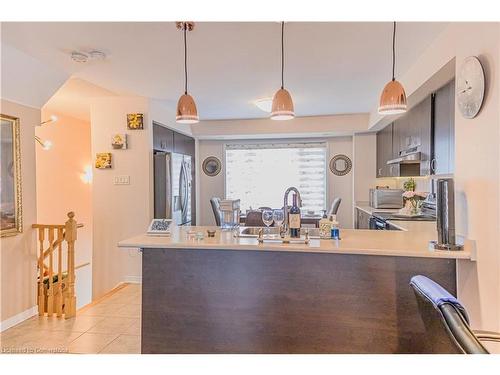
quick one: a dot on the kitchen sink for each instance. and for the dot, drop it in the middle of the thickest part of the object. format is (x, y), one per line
(272, 231)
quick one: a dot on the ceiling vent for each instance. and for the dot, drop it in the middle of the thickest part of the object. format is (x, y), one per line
(83, 57)
(79, 57)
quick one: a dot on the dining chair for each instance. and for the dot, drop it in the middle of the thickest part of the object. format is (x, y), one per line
(335, 206)
(446, 321)
(254, 219)
(215, 203)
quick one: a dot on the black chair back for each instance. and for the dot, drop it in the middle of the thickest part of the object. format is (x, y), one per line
(254, 219)
(445, 320)
(335, 206)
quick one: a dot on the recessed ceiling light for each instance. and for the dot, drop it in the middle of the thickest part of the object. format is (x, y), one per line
(79, 57)
(264, 104)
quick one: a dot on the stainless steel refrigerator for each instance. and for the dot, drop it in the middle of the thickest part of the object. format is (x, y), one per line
(172, 187)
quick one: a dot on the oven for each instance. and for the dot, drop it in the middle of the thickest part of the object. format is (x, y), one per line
(377, 223)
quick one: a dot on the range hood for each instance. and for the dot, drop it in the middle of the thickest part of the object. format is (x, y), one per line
(409, 156)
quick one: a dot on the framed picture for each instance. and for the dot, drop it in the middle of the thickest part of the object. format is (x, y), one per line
(103, 160)
(119, 141)
(159, 227)
(135, 121)
(11, 222)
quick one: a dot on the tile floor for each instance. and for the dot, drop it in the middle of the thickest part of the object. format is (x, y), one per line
(112, 325)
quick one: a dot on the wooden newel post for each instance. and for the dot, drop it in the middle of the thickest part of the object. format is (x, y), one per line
(70, 237)
(41, 296)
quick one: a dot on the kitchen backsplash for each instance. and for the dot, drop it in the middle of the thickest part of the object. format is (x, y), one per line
(423, 183)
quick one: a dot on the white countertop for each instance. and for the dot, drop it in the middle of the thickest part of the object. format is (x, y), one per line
(427, 228)
(365, 242)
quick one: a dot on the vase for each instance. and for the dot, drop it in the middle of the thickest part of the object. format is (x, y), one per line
(416, 208)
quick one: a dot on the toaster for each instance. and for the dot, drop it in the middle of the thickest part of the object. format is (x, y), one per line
(386, 198)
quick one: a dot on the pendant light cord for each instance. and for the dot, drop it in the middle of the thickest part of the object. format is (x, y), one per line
(185, 62)
(282, 53)
(393, 49)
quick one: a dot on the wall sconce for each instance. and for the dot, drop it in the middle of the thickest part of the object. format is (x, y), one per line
(46, 145)
(86, 176)
(53, 118)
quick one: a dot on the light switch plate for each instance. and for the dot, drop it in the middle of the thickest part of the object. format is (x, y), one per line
(122, 180)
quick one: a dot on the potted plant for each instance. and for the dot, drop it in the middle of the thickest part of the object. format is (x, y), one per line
(410, 185)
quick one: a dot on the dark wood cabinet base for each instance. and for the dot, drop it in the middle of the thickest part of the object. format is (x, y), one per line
(224, 301)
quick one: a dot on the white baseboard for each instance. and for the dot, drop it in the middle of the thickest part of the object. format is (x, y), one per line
(16, 319)
(133, 279)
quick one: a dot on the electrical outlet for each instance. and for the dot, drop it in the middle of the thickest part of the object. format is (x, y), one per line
(122, 180)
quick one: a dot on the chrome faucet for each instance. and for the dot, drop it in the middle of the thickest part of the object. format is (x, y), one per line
(286, 222)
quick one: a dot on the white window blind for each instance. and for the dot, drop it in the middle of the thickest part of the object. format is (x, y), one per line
(259, 174)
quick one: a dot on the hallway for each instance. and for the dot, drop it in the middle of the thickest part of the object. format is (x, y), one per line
(109, 326)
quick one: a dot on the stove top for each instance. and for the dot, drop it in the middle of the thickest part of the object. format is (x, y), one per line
(394, 216)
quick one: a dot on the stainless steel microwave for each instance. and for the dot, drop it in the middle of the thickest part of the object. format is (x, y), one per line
(386, 198)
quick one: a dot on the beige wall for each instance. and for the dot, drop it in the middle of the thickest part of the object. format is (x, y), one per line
(477, 163)
(18, 253)
(60, 188)
(119, 211)
(122, 211)
(214, 186)
(364, 165)
(341, 186)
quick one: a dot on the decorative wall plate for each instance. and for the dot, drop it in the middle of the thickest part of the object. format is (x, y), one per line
(211, 166)
(340, 165)
(470, 87)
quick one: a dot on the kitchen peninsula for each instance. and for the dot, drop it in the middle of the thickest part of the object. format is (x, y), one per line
(230, 294)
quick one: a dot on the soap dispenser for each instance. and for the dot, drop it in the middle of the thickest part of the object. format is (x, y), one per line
(325, 226)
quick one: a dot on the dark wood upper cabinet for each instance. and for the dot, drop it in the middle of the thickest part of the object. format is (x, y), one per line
(163, 138)
(183, 144)
(384, 151)
(421, 133)
(412, 130)
(444, 130)
(430, 126)
(167, 140)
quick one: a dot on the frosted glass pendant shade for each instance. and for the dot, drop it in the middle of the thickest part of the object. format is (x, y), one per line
(282, 108)
(186, 110)
(393, 99)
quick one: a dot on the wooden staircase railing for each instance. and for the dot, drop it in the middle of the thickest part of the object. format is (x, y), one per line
(56, 288)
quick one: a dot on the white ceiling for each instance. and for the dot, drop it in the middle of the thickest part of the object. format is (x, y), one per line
(330, 68)
(74, 97)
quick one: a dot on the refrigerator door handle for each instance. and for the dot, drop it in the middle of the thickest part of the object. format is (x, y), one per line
(168, 184)
(184, 190)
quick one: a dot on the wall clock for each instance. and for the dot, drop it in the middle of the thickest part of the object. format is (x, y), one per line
(470, 87)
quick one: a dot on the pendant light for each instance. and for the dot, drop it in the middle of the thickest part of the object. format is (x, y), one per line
(282, 108)
(186, 107)
(393, 98)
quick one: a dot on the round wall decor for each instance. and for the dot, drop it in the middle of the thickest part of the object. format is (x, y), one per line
(211, 166)
(470, 87)
(340, 165)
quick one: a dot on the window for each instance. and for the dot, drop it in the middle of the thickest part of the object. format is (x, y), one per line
(259, 174)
